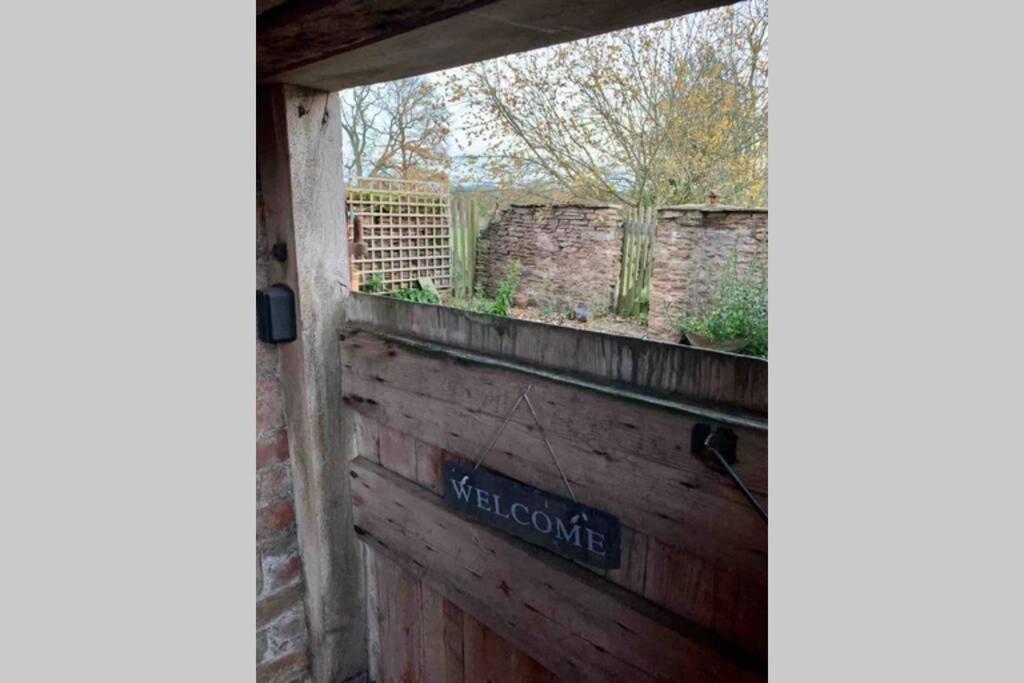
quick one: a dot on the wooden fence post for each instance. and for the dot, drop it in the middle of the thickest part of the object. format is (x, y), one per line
(299, 156)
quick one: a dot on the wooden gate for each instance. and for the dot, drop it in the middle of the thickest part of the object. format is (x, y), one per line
(451, 599)
(470, 212)
(638, 231)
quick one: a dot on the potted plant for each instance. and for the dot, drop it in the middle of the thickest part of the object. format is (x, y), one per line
(735, 317)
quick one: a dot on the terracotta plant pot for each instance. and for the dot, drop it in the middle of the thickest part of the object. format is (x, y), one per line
(702, 342)
(520, 300)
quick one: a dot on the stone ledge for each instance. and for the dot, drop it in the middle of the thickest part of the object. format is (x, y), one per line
(713, 209)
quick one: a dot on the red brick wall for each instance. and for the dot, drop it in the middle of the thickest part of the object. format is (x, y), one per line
(691, 246)
(570, 254)
(282, 654)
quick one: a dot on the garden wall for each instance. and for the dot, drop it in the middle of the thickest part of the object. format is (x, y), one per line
(692, 245)
(282, 652)
(570, 253)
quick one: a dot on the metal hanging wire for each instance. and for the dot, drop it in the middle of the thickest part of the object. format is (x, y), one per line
(525, 396)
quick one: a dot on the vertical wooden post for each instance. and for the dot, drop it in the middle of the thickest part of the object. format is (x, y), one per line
(299, 157)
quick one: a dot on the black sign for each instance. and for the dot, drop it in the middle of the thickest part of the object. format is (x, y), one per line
(542, 518)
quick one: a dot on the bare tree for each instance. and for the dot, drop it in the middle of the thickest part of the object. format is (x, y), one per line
(397, 129)
(656, 114)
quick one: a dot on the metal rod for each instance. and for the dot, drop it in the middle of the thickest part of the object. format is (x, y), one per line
(736, 480)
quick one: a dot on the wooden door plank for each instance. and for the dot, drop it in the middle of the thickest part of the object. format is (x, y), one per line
(575, 623)
(398, 451)
(397, 613)
(492, 659)
(632, 574)
(652, 498)
(442, 638)
(367, 438)
(604, 425)
(658, 369)
(712, 596)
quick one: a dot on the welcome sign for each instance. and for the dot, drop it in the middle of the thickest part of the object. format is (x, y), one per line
(545, 519)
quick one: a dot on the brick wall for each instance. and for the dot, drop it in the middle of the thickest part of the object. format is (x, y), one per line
(282, 654)
(570, 253)
(692, 245)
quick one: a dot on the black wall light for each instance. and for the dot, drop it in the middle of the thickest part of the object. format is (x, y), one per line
(275, 314)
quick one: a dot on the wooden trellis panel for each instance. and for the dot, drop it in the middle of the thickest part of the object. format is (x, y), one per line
(406, 229)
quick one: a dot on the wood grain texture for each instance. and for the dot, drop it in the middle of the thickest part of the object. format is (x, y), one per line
(341, 43)
(727, 381)
(574, 623)
(632, 574)
(606, 420)
(300, 170)
(715, 597)
(295, 33)
(367, 438)
(442, 638)
(457, 408)
(492, 659)
(397, 614)
(398, 451)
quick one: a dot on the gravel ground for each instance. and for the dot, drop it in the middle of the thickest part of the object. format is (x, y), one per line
(613, 324)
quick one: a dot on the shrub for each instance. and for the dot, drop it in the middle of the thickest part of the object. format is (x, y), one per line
(423, 296)
(374, 284)
(507, 290)
(501, 304)
(738, 308)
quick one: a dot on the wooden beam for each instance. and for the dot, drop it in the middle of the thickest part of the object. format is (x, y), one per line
(336, 44)
(299, 156)
(629, 460)
(724, 381)
(293, 33)
(576, 624)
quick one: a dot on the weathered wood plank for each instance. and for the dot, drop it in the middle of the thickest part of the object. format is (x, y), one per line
(442, 638)
(497, 619)
(491, 658)
(632, 574)
(398, 451)
(575, 623)
(372, 609)
(367, 438)
(668, 370)
(715, 597)
(680, 508)
(398, 622)
(596, 421)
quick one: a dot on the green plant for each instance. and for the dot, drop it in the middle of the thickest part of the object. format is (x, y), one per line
(738, 308)
(423, 296)
(501, 304)
(375, 283)
(507, 290)
(640, 306)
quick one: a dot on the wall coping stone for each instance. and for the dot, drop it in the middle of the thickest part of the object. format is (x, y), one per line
(713, 209)
(570, 205)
